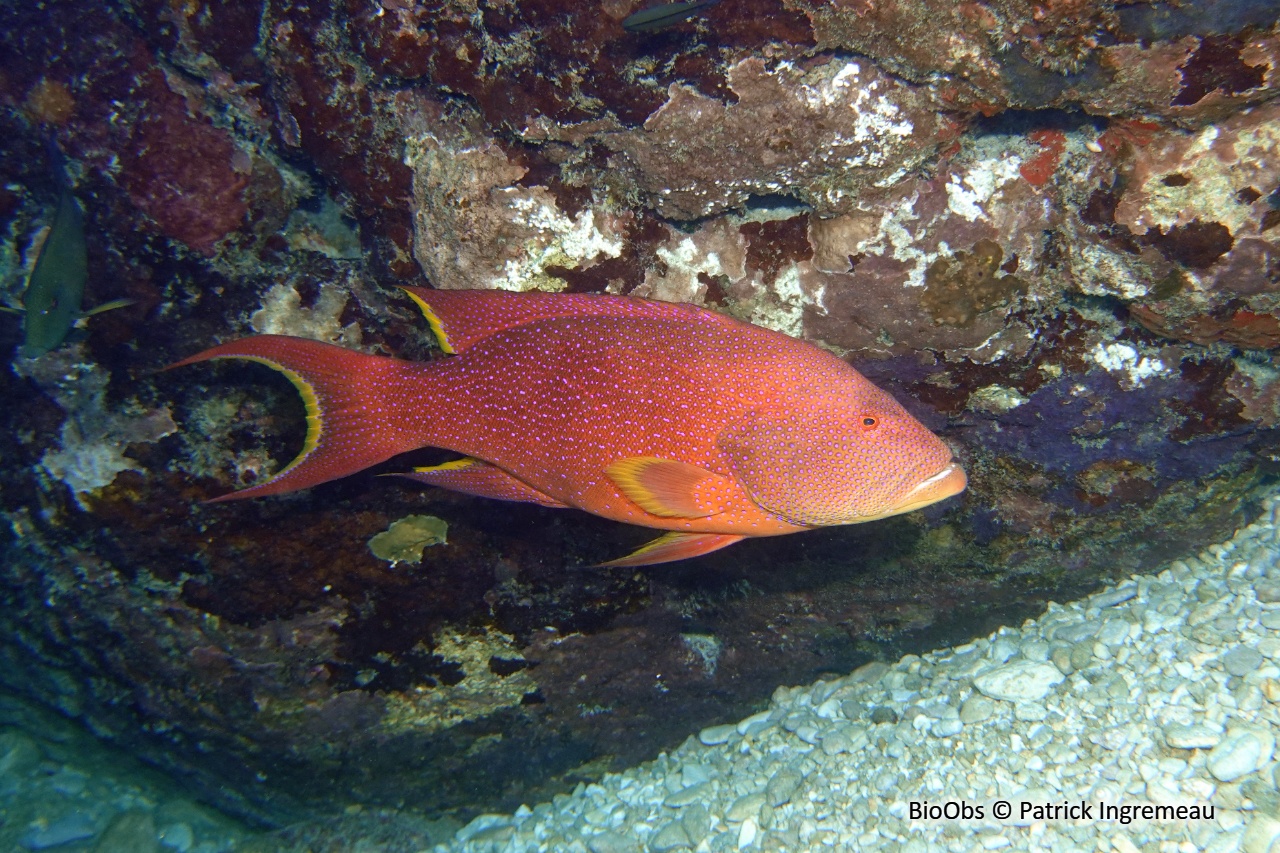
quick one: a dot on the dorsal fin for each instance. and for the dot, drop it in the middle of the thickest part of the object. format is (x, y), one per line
(461, 319)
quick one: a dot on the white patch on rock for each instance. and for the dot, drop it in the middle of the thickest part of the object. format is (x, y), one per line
(785, 312)
(891, 235)
(476, 227)
(1102, 272)
(1213, 180)
(893, 227)
(706, 650)
(685, 261)
(830, 91)
(1124, 359)
(716, 250)
(90, 451)
(558, 241)
(967, 192)
(687, 257)
(875, 117)
(282, 314)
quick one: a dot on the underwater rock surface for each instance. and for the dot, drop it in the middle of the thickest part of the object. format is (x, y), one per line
(1051, 235)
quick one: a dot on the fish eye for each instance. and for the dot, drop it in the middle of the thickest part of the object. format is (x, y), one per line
(869, 422)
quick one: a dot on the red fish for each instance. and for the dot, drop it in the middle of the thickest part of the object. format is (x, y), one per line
(657, 414)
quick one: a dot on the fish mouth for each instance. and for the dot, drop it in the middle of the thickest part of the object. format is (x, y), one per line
(950, 481)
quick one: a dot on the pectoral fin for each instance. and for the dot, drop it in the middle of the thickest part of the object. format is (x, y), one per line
(108, 306)
(675, 546)
(670, 489)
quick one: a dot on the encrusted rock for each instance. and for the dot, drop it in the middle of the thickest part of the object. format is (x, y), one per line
(827, 132)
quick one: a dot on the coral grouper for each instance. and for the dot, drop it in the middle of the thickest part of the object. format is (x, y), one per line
(663, 415)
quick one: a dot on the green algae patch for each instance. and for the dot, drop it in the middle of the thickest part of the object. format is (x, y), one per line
(996, 399)
(481, 692)
(406, 539)
(958, 289)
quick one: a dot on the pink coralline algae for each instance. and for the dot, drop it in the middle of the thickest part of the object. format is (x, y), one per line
(1183, 226)
(152, 132)
(196, 192)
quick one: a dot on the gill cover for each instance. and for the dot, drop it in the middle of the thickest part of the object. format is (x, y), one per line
(784, 472)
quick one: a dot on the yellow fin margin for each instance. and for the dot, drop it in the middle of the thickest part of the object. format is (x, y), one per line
(437, 327)
(676, 545)
(451, 465)
(315, 425)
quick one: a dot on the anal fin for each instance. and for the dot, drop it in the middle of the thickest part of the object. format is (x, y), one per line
(675, 546)
(475, 477)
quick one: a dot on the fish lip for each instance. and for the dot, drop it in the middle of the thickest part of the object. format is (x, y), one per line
(949, 481)
(947, 470)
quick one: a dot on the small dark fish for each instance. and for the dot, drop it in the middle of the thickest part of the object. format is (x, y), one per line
(51, 302)
(660, 17)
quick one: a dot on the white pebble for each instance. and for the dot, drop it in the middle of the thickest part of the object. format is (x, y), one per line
(177, 836)
(1021, 681)
(1197, 736)
(713, 735)
(1240, 753)
(1262, 835)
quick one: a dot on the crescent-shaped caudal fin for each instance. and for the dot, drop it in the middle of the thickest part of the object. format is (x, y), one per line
(360, 408)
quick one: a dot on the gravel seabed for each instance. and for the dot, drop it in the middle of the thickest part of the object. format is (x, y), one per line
(1161, 692)
(1160, 695)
